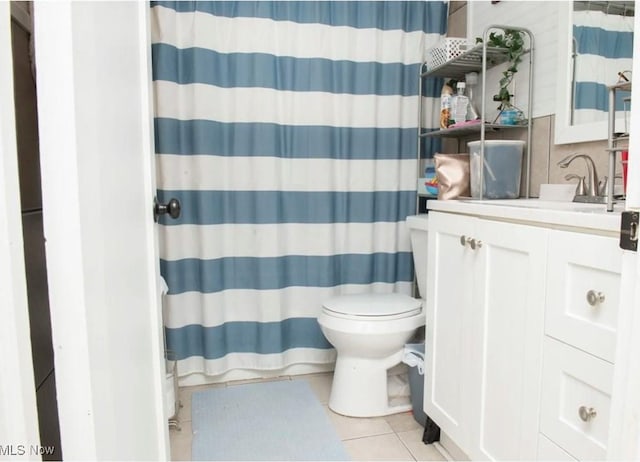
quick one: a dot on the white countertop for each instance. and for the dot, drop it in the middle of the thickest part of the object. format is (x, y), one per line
(585, 217)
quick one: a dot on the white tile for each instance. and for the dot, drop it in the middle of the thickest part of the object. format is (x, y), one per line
(180, 441)
(320, 384)
(403, 422)
(422, 452)
(184, 396)
(382, 447)
(358, 427)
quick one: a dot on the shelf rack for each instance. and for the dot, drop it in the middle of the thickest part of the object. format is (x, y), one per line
(479, 59)
(613, 140)
(466, 130)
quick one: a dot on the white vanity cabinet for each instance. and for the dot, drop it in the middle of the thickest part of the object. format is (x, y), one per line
(484, 333)
(521, 320)
(581, 318)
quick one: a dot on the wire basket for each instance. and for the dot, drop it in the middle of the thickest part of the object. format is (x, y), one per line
(446, 50)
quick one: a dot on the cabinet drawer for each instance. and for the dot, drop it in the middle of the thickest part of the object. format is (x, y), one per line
(583, 285)
(576, 395)
(548, 450)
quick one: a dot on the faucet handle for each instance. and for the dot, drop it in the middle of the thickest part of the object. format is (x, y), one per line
(602, 186)
(592, 175)
(581, 188)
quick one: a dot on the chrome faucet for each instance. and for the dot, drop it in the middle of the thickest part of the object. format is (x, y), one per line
(592, 174)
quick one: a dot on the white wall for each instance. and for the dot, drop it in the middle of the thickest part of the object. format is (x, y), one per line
(541, 18)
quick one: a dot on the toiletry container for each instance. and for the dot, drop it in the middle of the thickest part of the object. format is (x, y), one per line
(460, 104)
(446, 97)
(471, 80)
(502, 168)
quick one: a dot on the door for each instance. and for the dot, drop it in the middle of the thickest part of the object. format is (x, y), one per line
(624, 439)
(96, 144)
(19, 418)
(508, 320)
(448, 328)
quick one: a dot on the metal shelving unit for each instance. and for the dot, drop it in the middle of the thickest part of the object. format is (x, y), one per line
(479, 59)
(468, 130)
(613, 141)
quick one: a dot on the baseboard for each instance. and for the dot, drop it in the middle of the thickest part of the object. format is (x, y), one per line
(449, 449)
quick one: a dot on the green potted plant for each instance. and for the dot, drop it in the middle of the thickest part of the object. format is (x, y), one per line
(513, 41)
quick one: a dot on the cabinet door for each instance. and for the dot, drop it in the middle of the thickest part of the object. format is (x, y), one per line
(448, 326)
(583, 291)
(576, 398)
(508, 322)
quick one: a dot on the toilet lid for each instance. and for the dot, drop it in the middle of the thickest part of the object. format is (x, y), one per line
(374, 305)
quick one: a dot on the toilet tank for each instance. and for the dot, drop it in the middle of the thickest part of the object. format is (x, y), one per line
(418, 228)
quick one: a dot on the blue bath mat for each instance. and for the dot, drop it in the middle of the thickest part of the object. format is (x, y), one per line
(263, 421)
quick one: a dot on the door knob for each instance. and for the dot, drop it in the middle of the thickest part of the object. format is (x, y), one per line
(172, 208)
(594, 297)
(464, 240)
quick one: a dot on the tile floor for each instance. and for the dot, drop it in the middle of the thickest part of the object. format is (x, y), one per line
(395, 437)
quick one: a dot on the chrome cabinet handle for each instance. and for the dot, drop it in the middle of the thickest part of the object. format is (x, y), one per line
(594, 298)
(464, 240)
(586, 413)
(475, 244)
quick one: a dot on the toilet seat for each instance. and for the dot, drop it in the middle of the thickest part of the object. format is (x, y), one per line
(372, 307)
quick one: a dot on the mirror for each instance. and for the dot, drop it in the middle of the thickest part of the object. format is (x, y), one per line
(595, 51)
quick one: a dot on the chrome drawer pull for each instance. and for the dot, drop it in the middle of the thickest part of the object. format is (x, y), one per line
(587, 413)
(464, 240)
(475, 244)
(594, 298)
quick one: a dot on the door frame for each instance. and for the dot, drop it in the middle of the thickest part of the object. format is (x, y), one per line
(19, 416)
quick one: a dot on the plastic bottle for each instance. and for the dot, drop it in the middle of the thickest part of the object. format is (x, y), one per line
(430, 178)
(471, 79)
(460, 104)
(445, 105)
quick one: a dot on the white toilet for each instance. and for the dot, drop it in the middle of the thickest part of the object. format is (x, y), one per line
(369, 332)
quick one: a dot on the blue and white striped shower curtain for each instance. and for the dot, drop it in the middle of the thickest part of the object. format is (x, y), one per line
(603, 44)
(288, 132)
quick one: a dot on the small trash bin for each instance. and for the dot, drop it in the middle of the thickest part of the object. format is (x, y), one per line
(414, 357)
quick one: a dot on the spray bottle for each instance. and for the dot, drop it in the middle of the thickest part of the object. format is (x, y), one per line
(446, 96)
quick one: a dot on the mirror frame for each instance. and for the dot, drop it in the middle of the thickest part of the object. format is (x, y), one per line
(564, 132)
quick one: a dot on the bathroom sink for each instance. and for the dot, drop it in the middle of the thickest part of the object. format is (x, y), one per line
(548, 205)
(571, 214)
